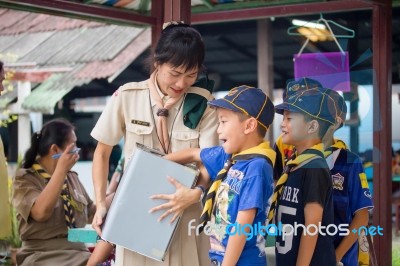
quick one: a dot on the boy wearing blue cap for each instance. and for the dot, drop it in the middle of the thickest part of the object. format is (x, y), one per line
(241, 174)
(302, 200)
(351, 195)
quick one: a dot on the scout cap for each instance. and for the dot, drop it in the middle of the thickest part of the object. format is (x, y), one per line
(315, 103)
(250, 101)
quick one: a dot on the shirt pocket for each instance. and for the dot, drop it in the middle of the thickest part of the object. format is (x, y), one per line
(137, 134)
(80, 205)
(184, 139)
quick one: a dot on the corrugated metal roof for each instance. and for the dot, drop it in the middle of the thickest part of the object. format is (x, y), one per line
(27, 43)
(43, 53)
(114, 42)
(53, 23)
(101, 69)
(8, 41)
(82, 44)
(92, 50)
(10, 18)
(46, 95)
(15, 22)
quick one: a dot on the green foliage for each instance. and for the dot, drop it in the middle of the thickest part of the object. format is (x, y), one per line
(5, 116)
(396, 254)
(14, 240)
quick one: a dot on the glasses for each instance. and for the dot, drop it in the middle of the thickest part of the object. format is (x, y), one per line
(58, 155)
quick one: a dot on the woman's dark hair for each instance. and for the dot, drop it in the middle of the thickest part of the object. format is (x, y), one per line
(1, 65)
(179, 45)
(55, 131)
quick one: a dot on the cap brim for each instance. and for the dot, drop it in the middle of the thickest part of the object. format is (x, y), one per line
(280, 108)
(222, 103)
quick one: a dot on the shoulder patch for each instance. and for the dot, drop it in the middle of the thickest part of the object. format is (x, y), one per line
(363, 180)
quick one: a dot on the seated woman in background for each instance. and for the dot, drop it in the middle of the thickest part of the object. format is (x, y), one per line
(49, 199)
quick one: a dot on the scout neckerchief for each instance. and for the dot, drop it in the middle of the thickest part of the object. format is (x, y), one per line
(195, 104)
(65, 195)
(263, 150)
(162, 112)
(312, 153)
(337, 145)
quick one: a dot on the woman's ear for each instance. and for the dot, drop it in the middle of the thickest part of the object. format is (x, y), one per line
(251, 125)
(54, 149)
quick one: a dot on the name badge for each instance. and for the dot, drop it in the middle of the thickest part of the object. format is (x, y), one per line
(141, 123)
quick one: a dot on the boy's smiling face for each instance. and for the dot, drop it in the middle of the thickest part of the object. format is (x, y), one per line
(294, 128)
(230, 131)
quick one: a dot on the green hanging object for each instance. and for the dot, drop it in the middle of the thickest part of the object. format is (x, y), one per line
(195, 104)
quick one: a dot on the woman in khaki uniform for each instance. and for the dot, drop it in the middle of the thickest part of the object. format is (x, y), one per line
(49, 199)
(155, 113)
(5, 218)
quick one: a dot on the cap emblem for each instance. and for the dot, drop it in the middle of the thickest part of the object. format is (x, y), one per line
(295, 87)
(232, 92)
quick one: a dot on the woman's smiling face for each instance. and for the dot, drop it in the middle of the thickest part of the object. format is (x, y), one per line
(174, 81)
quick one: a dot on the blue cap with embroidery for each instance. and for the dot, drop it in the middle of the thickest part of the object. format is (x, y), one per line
(250, 101)
(305, 83)
(314, 103)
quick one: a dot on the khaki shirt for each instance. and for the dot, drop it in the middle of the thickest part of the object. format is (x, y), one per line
(5, 216)
(131, 115)
(27, 186)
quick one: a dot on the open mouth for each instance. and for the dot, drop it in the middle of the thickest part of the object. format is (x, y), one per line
(176, 91)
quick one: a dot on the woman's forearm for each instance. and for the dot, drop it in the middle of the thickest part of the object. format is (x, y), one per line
(100, 171)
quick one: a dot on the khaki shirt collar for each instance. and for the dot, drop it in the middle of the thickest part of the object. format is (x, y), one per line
(164, 97)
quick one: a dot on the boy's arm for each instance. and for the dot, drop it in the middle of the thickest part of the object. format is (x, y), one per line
(236, 242)
(360, 219)
(100, 254)
(313, 215)
(185, 156)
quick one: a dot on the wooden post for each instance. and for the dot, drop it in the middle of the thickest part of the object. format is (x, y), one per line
(382, 135)
(265, 62)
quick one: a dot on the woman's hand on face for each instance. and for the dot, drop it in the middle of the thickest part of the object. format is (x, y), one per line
(177, 202)
(98, 218)
(68, 158)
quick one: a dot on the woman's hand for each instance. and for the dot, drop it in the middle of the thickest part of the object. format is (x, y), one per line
(68, 158)
(98, 218)
(177, 202)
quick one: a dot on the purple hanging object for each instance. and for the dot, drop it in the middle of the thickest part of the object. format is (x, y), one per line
(331, 69)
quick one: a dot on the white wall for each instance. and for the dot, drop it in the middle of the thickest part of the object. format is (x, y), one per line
(395, 116)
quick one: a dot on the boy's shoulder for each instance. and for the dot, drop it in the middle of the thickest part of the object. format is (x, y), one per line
(313, 164)
(348, 157)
